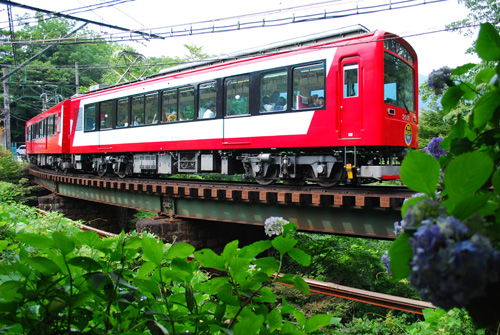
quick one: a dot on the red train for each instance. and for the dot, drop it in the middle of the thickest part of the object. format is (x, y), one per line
(336, 108)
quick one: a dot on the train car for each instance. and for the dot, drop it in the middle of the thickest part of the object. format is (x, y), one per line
(333, 108)
(47, 136)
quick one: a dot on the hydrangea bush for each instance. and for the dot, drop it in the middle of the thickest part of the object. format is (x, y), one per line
(448, 238)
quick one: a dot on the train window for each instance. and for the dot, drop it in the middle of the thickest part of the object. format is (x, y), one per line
(308, 86)
(273, 91)
(59, 124)
(398, 82)
(106, 110)
(351, 80)
(50, 126)
(207, 100)
(169, 106)
(151, 112)
(138, 110)
(89, 117)
(186, 103)
(237, 96)
(122, 116)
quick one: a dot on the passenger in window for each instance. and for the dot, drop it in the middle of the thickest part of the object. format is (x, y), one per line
(314, 101)
(210, 112)
(122, 123)
(280, 104)
(172, 117)
(138, 121)
(181, 116)
(266, 104)
(321, 102)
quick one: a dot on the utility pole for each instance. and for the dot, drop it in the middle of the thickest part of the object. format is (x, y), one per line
(6, 109)
(77, 79)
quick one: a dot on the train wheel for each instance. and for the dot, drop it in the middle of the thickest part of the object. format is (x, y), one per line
(102, 168)
(271, 176)
(334, 179)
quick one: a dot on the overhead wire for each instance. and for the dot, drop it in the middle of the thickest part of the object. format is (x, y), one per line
(191, 29)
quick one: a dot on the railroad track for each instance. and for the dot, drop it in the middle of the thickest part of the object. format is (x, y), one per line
(377, 197)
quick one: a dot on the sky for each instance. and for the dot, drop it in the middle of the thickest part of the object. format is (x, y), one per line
(418, 24)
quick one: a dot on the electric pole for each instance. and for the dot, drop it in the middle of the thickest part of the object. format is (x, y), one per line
(6, 109)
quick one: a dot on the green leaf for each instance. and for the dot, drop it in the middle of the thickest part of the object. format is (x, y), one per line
(318, 321)
(300, 256)
(214, 285)
(291, 329)
(44, 265)
(469, 91)
(468, 206)
(265, 295)
(466, 174)
(146, 269)
(462, 69)
(296, 281)
(36, 240)
(209, 259)
(268, 265)
(148, 285)
(484, 76)
(300, 318)
(179, 250)
(485, 107)
(488, 43)
(85, 263)
(249, 324)
(63, 243)
(88, 238)
(152, 250)
(3, 245)
(230, 251)
(253, 250)
(451, 98)
(274, 319)
(400, 254)
(495, 180)
(420, 172)
(284, 243)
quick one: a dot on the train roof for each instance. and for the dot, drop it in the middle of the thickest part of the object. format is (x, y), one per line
(311, 39)
(331, 35)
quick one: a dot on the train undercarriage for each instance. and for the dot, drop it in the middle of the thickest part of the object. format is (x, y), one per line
(326, 168)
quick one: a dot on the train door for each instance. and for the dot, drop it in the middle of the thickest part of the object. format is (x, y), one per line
(350, 98)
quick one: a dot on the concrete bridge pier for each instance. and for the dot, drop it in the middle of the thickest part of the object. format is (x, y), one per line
(112, 219)
(201, 233)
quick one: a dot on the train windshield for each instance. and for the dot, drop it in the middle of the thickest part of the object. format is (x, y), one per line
(398, 82)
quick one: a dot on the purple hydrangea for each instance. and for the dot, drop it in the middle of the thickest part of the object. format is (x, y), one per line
(438, 79)
(387, 262)
(434, 148)
(274, 225)
(449, 267)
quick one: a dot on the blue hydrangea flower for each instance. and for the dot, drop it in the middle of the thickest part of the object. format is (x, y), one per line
(274, 225)
(438, 78)
(422, 210)
(450, 268)
(387, 262)
(434, 148)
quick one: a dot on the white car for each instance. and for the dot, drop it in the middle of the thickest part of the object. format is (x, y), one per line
(21, 150)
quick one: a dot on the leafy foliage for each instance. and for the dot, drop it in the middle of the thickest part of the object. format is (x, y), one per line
(58, 279)
(451, 254)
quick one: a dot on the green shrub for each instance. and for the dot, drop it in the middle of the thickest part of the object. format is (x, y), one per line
(10, 170)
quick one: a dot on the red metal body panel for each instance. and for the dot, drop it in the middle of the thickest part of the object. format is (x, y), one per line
(364, 122)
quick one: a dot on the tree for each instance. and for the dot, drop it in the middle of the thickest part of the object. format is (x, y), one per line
(51, 77)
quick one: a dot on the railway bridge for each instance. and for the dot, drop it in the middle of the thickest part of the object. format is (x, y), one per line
(363, 211)
(210, 214)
